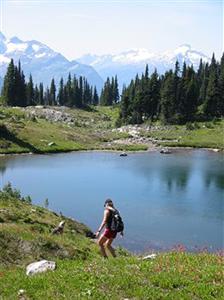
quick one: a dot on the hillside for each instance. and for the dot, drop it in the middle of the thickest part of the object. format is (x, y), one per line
(60, 129)
(81, 273)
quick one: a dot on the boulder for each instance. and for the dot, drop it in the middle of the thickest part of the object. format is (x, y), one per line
(165, 151)
(40, 266)
(123, 154)
(150, 256)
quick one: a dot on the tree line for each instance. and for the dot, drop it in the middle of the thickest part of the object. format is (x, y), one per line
(75, 92)
(177, 97)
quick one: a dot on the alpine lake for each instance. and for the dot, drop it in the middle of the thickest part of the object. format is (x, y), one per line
(166, 201)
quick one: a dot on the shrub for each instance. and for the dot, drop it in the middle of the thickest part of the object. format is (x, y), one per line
(209, 125)
(15, 193)
(190, 126)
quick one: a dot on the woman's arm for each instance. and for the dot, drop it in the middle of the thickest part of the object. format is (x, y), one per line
(105, 216)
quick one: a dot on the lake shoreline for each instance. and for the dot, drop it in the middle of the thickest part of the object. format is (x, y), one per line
(156, 149)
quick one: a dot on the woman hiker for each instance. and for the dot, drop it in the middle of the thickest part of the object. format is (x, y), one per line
(109, 234)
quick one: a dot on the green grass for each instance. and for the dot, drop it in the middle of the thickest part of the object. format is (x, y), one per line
(92, 130)
(81, 273)
(205, 135)
(169, 276)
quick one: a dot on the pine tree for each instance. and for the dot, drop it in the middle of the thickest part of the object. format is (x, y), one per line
(36, 95)
(95, 97)
(167, 94)
(106, 97)
(124, 112)
(69, 100)
(60, 96)
(154, 87)
(30, 91)
(47, 96)
(20, 87)
(9, 86)
(52, 93)
(220, 111)
(41, 94)
(212, 92)
(116, 95)
(203, 83)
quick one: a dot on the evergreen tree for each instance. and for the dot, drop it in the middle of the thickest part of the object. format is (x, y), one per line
(95, 97)
(36, 95)
(41, 94)
(220, 109)
(168, 98)
(212, 92)
(20, 87)
(9, 85)
(47, 96)
(106, 97)
(60, 96)
(115, 88)
(30, 92)
(52, 93)
(69, 98)
(203, 83)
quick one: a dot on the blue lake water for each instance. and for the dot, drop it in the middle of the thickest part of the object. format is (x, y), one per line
(165, 200)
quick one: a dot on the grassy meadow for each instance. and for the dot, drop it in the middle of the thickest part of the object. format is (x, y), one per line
(81, 273)
(95, 129)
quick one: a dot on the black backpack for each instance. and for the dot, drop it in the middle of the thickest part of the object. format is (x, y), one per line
(116, 222)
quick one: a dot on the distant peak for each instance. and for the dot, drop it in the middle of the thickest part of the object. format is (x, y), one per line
(15, 40)
(2, 37)
(183, 48)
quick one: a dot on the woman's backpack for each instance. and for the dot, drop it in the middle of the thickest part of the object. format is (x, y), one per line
(116, 222)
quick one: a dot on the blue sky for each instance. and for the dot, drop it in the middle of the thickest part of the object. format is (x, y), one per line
(75, 27)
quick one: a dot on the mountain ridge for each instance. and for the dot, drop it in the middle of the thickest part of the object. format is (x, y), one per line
(130, 62)
(42, 62)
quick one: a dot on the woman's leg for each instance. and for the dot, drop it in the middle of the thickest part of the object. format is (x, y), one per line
(101, 242)
(109, 247)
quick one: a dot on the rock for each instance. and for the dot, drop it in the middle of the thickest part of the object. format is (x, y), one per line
(40, 266)
(59, 229)
(21, 295)
(165, 151)
(51, 144)
(123, 154)
(150, 256)
(21, 292)
(215, 150)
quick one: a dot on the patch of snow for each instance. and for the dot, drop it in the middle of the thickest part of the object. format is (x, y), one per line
(40, 55)
(11, 47)
(36, 47)
(133, 56)
(183, 49)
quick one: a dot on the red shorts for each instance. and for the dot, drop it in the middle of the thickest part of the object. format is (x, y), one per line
(109, 233)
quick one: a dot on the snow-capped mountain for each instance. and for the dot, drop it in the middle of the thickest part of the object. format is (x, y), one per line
(42, 62)
(127, 64)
